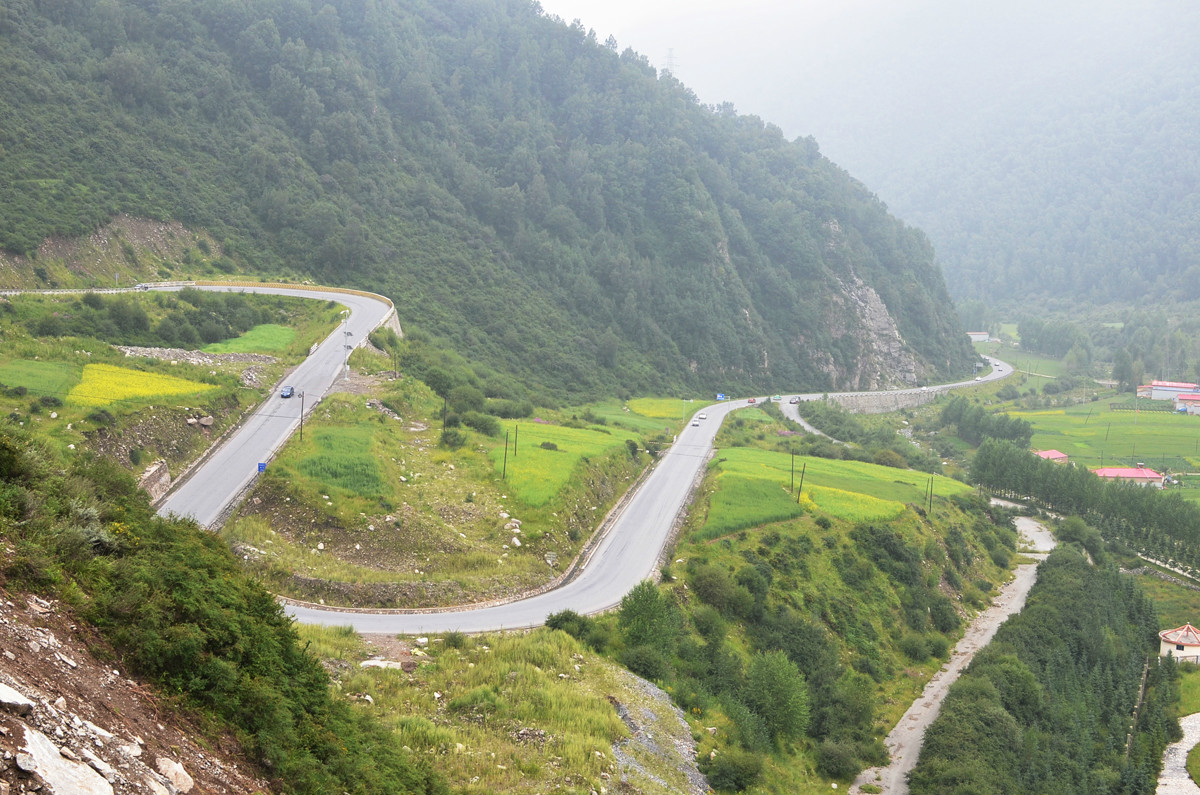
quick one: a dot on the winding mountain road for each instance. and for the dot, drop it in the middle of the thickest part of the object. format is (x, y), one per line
(212, 487)
(627, 553)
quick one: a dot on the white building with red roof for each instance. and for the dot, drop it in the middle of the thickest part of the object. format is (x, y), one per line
(1167, 390)
(1142, 476)
(1182, 643)
(1187, 401)
(1052, 455)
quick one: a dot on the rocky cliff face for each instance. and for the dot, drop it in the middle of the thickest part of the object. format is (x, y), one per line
(857, 317)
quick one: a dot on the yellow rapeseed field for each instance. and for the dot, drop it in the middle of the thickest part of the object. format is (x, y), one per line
(104, 384)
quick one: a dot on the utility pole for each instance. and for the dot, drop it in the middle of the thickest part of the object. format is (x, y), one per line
(504, 470)
(802, 471)
(302, 416)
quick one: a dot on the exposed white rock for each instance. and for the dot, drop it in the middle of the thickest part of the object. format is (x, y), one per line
(12, 701)
(380, 664)
(41, 757)
(175, 774)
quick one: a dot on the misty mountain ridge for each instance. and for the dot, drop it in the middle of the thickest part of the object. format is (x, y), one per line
(1048, 151)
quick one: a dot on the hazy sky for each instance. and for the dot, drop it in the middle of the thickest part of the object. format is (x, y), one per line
(870, 79)
(749, 53)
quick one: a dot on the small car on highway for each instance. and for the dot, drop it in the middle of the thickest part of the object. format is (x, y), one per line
(287, 392)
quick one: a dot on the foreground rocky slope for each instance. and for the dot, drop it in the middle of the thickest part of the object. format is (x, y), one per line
(73, 723)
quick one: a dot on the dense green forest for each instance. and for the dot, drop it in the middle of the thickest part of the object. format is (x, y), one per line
(542, 202)
(1055, 702)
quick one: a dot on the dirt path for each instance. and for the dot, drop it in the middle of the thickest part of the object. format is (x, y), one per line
(904, 741)
(1174, 778)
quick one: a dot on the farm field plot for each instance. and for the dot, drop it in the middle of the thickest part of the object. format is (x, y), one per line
(753, 489)
(535, 473)
(616, 415)
(264, 338)
(105, 384)
(1092, 435)
(665, 408)
(41, 378)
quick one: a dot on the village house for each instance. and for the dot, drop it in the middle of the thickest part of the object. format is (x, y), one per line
(1187, 401)
(1142, 476)
(1167, 390)
(1182, 643)
(979, 336)
(1052, 455)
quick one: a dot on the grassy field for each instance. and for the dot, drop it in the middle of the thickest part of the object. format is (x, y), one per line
(618, 415)
(105, 384)
(665, 408)
(365, 500)
(265, 338)
(41, 378)
(1093, 435)
(533, 473)
(341, 460)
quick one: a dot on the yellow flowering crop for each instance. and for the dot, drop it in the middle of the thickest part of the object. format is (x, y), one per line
(104, 384)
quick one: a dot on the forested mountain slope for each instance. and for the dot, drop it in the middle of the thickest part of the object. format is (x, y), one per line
(545, 204)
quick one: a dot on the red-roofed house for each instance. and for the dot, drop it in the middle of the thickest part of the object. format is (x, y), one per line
(1052, 455)
(1166, 390)
(1139, 475)
(1188, 401)
(1182, 643)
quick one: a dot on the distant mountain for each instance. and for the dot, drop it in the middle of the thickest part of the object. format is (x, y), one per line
(1049, 150)
(543, 203)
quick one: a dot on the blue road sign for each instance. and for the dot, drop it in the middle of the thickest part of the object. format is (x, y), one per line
(720, 396)
(262, 467)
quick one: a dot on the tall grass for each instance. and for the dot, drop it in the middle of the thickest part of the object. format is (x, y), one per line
(342, 460)
(491, 687)
(742, 502)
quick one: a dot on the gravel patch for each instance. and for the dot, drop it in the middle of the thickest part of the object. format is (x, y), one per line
(1174, 778)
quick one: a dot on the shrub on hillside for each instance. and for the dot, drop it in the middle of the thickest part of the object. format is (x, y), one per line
(484, 423)
(732, 769)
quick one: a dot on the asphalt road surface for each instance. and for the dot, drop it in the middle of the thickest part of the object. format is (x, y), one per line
(229, 470)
